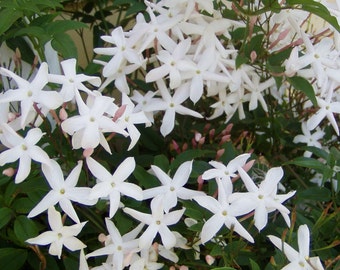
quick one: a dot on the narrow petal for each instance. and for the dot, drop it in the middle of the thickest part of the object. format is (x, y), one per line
(73, 243)
(54, 219)
(114, 202)
(211, 227)
(145, 240)
(209, 203)
(72, 178)
(303, 240)
(68, 208)
(51, 199)
(291, 253)
(43, 239)
(261, 216)
(24, 168)
(98, 170)
(182, 174)
(124, 169)
(161, 175)
(142, 217)
(168, 122)
(131, 190)
(168, 238)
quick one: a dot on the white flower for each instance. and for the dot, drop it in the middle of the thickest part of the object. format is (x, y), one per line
(158, 223)
(299, 260)
(63, 191)
(171, 189)
(24, 149)
(327, 109)
(71, 81)
(225, 173)
(262, 199)
(308, 138)
(113, 185)
(171, 105)
(60, 235)
(223, 214)
(29, 93)
(118, 247)
(88, 127)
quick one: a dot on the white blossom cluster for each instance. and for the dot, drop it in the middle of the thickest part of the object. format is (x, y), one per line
(192, 58)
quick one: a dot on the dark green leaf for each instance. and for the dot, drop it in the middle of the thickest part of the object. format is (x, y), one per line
(12, 258)
(24, 228)
(5, 216)
(223, 268)
(62, 26)
(65, 45)
(144, 178)
(308, 163)
(189, 155)
(23, 205)
(135, 8)
(254, 265)
(8, 17)
(315, 194)
(301, 84)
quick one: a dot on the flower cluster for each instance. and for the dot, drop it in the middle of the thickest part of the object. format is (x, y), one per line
(188, 53)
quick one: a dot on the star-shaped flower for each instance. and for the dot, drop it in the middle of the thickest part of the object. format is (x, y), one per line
(24, 149)
(158, 223)
(63, 191)
(299, 260)
(60, 235)
(113, 185)
(171, 189)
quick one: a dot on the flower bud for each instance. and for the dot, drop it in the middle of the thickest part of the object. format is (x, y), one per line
(209, 259)
(88, 152)
(9, 172)
(63, 114)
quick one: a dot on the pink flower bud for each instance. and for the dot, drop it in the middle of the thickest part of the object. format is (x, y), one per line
(102, 238)
(253, 56)
(219, 153)
(88, 152)
(9, 172)
(209, 259)
(119, 113)
(183, 267)
(11, 116)
(200, 182)
(198, 136)
(63, 114)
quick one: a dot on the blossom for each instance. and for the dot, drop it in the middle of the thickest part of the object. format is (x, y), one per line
(63, 191)
(171, 105)
(24, 149)
(113, 185)
(171, 189)
(88, 127)
(60, 235)
(158, 223)
(309, 138)
(327, 109)
(118, 247)
(298, 259)
(71, 81)
(32, 92)
(223, 214)
(262, 199)
(225, 173)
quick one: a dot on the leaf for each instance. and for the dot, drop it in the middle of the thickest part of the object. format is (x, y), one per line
(5, 216)
(189, 155)
(24, 228)
(308, 163)
(8, 17)
(12, 258)
(23, 205)
(145, 179)
(65, 45)
(223, 268)
(315, 8)
(315, 194)
(61, 26)
(254, 265)
(304, 86)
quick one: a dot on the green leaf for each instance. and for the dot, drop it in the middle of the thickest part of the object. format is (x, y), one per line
(304, 86)
(8, 17)
(308, 163)
(315, 194)
(62, 26)
(145, 179)
(64, 45)
(24, 228)
(23, 205)
(189, 155)
(135, 8)
(12, 258)
(162, 162)
(5, 216)
(254, 265)
(315, 8)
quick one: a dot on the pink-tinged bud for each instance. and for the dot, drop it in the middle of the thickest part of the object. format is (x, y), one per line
(200, 182)
(253, 56)
(193, 143)
(119, 113)
(102, 238)
(184, 147)
(219, 153)
(175, 146)
(211, 134)
(248, 165)
(9, 172)
(183, 267)
(225, 138)
(229, 128)
(88, 152)
(63, 115)
(209, 259)
(153, 252)
(198, 136)
(172, 268)
(206, 128)
(201, 141)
